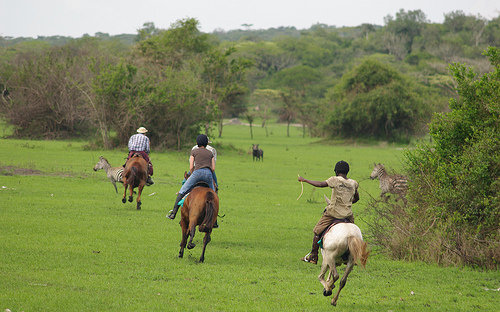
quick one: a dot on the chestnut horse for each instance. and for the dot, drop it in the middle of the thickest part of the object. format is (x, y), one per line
(341, 239)
(135, 176)
(200, 208)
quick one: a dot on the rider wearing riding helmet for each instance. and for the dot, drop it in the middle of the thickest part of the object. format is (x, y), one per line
(201, 166)
(344, 194)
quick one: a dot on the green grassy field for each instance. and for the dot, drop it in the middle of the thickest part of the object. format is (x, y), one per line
(67, 243)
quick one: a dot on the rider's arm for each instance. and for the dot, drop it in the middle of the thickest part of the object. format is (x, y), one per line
(314, 183)
(213, 164)
(356, 197)
(191, 163)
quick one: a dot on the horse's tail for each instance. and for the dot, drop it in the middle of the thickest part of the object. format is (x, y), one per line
(359, 250)
(132, 176)
(208, 222)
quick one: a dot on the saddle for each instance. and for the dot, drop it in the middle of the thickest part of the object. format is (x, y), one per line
(198, 184)
(336, 221)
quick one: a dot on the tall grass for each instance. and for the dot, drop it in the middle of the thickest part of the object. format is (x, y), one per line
(67, 243)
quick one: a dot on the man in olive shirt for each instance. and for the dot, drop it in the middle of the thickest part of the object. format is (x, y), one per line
(344, 194)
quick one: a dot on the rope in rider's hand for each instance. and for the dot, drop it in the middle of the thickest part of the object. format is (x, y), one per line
(302, 185)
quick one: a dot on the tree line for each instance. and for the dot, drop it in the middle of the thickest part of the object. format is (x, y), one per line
(368, 81)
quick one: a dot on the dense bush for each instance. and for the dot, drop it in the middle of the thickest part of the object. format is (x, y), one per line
(45, 95)
(375, 100)
(454, 210)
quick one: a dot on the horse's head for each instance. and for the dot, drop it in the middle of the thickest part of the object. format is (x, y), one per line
(376, 170)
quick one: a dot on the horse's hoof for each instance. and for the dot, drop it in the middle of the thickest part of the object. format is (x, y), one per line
(124, 200)
(191, 246)
(130, 198)
(327, 293)
(139, 206)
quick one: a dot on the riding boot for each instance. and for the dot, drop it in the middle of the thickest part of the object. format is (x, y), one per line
(312, 257)
(173, 212)
(149, 181)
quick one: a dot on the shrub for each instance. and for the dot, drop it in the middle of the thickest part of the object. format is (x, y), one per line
(453, 213)
(375, 100)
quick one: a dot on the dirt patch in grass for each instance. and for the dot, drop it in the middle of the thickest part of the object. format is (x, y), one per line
(13, 170)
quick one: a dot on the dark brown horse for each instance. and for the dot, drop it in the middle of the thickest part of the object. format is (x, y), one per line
(135, 176)
(200, 208)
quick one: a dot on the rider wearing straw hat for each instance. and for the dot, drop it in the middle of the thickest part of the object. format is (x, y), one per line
(139, 143)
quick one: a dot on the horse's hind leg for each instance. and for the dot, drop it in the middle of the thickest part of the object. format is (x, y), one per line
(321, 278)
(206, 240)
(124, 193)
(139, 203)
(185, 234)
(192, 231)
(343, 280)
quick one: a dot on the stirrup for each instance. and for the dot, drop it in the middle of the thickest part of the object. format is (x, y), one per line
(171, 215)
(306, 258)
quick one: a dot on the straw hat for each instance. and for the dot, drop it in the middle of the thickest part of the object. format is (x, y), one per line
(142, 130)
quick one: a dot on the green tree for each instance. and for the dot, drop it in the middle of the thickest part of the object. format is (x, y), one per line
(176, 46)
(455, 180)
(224, 77)
(406, 25)
(265, 101)
(375, 100)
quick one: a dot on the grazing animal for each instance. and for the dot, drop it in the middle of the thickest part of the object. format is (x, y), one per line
(257, 152)
(114, 174)
(200, 209)
(341, 239)
(394, 184)
(135, 176)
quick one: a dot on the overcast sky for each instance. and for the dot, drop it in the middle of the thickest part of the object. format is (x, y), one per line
(32, 18)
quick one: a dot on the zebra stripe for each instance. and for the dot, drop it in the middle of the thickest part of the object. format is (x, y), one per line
(394, 184)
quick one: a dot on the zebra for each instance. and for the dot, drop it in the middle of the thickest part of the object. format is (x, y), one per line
(394, 184)
(114, 173)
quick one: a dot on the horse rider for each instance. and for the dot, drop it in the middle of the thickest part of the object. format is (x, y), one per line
(214, 152)
(139, 143)
(201, 166)
(344, 194)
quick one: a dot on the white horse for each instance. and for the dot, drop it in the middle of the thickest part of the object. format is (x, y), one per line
(341, 238)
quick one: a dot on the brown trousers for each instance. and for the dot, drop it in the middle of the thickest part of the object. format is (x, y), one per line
(325, 221)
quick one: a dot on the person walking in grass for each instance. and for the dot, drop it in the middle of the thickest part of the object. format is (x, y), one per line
(344, 194)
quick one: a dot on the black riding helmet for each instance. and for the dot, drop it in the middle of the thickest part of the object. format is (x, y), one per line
(342, 167)
(202, 140)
